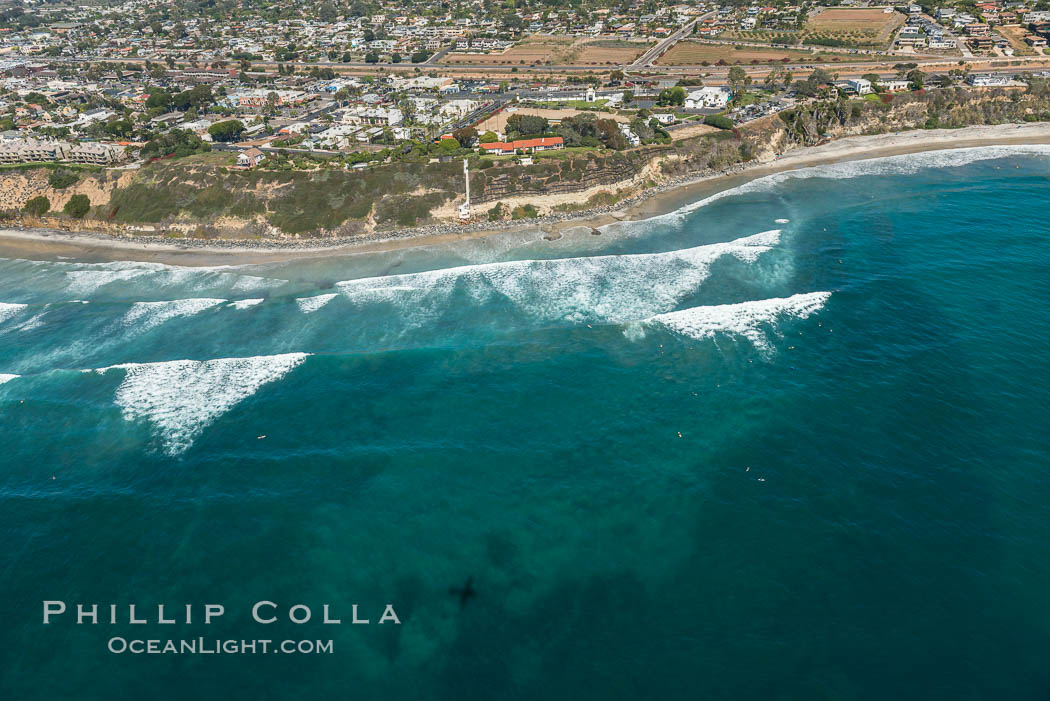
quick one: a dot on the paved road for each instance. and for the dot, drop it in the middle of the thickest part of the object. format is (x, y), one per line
(646, 59)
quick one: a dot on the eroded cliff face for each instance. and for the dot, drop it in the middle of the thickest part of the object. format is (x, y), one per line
(18, 186)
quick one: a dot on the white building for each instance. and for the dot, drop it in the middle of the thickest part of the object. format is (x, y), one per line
(716, 97)
(860, 86)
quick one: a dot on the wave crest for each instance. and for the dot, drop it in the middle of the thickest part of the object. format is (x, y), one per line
(745, 319)
(601, 288)
(181, 397)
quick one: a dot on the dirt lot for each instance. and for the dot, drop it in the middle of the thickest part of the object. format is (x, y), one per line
(498, 121)
(557, 51)
(1016, 35)
(608, 52)
(689, 53)
(534, 50)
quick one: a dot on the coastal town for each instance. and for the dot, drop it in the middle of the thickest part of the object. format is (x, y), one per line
(360, 86)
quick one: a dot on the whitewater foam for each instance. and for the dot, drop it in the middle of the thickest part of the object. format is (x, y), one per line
(88, 278)
(180, 398)
(745, 319)
(245, 303)
(312, 304)
(601, 288)
(147, 315)
(8, 310)
(5, 377)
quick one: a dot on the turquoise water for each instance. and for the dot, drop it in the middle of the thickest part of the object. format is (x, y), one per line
(788, 442)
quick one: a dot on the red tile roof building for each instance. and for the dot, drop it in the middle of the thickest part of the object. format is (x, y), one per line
(545, 143)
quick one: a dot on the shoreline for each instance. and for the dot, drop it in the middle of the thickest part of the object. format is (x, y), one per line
(662, 199)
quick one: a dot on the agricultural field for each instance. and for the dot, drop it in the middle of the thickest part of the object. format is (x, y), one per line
(837, 27)
(557, 51)
(860, 28)
(691, 53)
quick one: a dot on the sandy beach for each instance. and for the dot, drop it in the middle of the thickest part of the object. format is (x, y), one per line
(47, 244)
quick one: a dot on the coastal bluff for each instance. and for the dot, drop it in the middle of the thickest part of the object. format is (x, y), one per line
(205, 197)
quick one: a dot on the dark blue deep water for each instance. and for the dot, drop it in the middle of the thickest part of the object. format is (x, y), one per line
(789, 442)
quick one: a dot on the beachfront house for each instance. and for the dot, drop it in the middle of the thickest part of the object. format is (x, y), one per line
(859, 86)
(250, 158)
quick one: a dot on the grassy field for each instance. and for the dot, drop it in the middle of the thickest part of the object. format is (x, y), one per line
(212, 158)
(691, 53)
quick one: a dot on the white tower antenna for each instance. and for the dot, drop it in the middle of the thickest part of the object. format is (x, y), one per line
(464, 209)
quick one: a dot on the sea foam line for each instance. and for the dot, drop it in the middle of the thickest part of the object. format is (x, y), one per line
(87, 278)
(745, 319)
(147, 315)
(900, 164)
(180, 398)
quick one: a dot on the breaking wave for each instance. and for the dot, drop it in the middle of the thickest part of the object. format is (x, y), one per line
(245, 303)
(181, 397)
(608, 288)
(746, 319)
(312, 304)
(6, 377)
(8, 310)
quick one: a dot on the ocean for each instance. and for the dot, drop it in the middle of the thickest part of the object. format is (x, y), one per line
(789, 441)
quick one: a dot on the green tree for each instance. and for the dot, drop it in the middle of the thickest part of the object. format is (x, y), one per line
(60, 178)
(158, 98)
(447, 147)
(37, 206)
(327, 12)
(78, 206)
(738, 77)
(229, 130)
(466, 136)
(120, 128)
